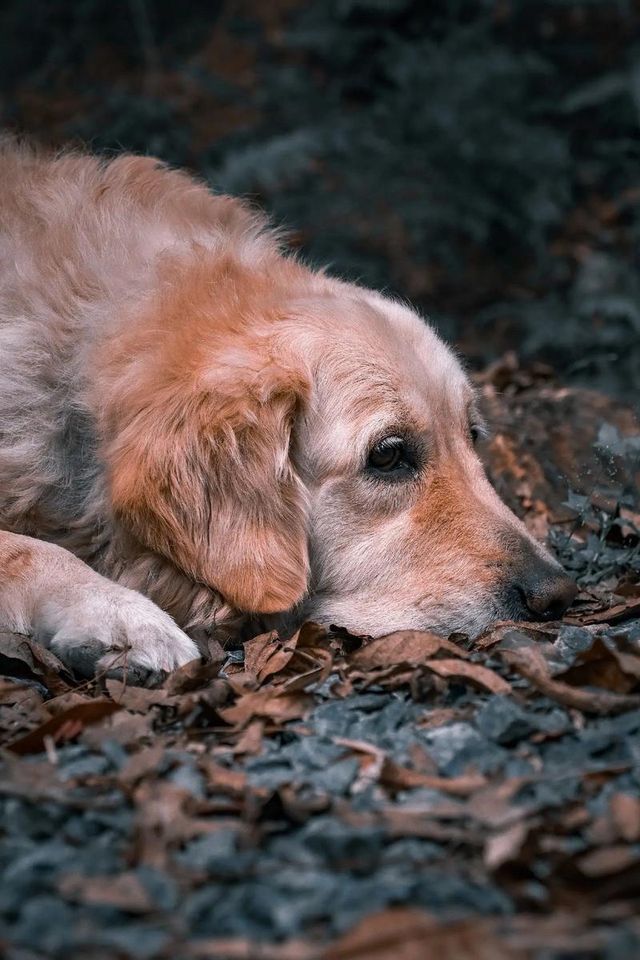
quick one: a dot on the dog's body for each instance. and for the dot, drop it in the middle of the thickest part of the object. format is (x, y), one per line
(209, 422)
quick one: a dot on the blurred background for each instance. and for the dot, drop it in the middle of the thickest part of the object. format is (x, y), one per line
(479, 158)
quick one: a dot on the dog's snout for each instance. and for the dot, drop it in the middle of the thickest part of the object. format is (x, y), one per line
(541, 591)
(548, 599)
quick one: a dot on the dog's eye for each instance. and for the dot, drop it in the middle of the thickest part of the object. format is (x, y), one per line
(477, 431)
(390, 456)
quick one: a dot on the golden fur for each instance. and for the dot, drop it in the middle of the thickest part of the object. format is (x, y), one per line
(189, 410)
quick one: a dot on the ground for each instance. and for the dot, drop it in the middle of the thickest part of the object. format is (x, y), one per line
(414, 797)
(333, 798)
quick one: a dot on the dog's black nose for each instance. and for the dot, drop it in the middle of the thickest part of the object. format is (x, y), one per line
(537, 588)
(544, 591)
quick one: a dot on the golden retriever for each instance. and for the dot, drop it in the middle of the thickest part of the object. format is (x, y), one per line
(197, 427)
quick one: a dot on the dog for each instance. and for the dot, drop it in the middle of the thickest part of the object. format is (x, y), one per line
(196, 429)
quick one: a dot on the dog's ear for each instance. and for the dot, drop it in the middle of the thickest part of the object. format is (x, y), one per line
(206, 480)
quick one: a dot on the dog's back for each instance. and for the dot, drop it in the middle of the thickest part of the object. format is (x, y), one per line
(81, 241)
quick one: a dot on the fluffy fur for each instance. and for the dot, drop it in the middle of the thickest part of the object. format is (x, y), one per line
(189, 411)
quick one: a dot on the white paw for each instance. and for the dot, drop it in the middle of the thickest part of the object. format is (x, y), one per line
(103, 627)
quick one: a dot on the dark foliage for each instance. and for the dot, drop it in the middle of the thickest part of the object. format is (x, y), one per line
(478, 157)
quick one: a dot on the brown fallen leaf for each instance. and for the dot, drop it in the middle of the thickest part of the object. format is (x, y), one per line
(502, 630)
(64, 702)
(214, 693)
(492, 806)
(65, 725)
(270, 704)
(605, 861)
(422, 760)
(191, 676)
(605, 664)
(404, 778)
(405, 646)
(223, 779)
(36, 780)
(617, 614)
(267, 654)
(22, 706)
(250, 742)
(503, 847)
(239, 948)
(405, 933)
(625, 813)
(560, 934)
(530, 663)
(136, 699)
(601, 832)
(304, 660)
(420, 821)
(23, 657)
(17, 693)
(371, 759)
(123, 891)
(164, 817)
(124, 728)
(629, 663)
(474, 672)
(379, 768)
(141, 763)
(438, 717)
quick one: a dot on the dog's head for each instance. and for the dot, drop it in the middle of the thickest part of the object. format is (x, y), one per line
(316, 451)
(405, 529)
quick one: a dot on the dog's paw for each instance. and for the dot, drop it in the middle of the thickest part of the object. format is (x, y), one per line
(112, 630)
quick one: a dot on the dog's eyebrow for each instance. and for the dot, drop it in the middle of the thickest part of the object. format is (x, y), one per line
(472, 406)
(475, 417)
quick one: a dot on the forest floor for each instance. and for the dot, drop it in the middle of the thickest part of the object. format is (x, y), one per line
(333, 798)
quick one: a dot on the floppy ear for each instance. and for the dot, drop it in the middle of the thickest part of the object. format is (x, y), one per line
(206, 480)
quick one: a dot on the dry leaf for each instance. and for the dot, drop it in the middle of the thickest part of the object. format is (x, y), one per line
(296, 664)
(21, 656)
(223, 779)
(616, 614)
(372, 760)
(505, 846)
(250, 742)
(191, 676)
(137, 699)
(625, 813)
(405, 646)
(142, 763)
(239, 948)
(404, 778)
(493, 805)
(530, 663)
(605, 861)
(65, 725)
(270, 704)
(267, 654)
(476, 674)
(123, 891)
(404, 933)
(124, 728)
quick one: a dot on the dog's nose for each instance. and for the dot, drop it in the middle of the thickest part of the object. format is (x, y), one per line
(545, 591)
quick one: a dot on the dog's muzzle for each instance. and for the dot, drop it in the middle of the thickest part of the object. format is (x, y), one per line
(538, 589)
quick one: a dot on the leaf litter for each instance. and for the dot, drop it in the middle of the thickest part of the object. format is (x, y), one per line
(330, 797)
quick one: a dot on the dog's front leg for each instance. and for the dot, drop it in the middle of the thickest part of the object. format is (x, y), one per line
(89, 622)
